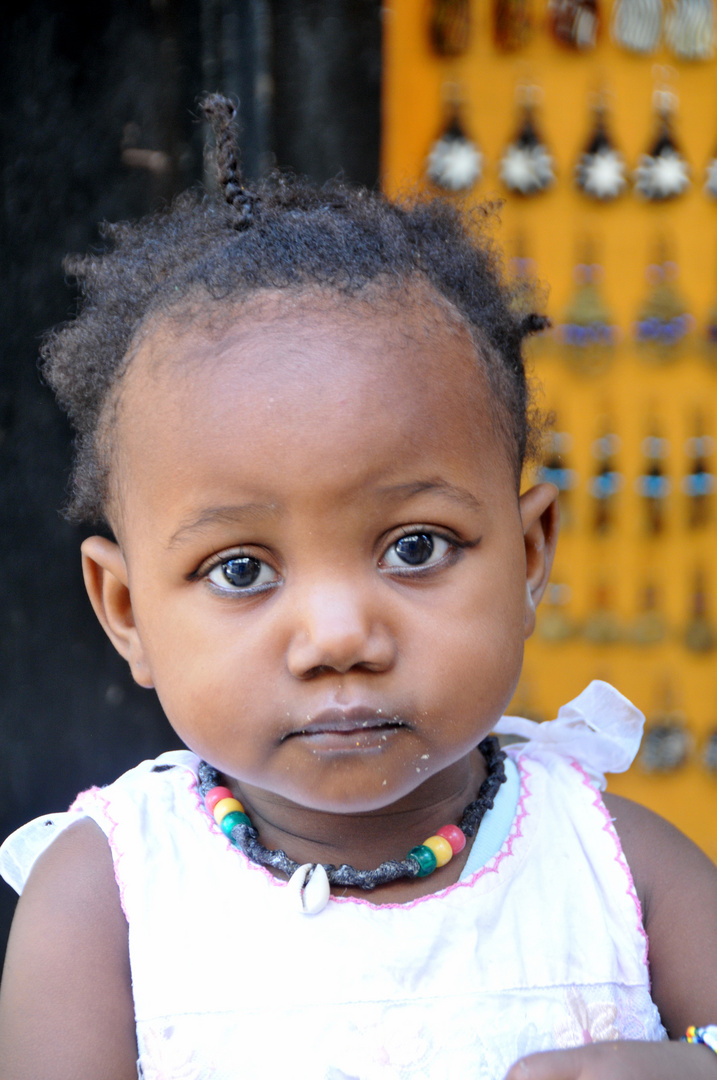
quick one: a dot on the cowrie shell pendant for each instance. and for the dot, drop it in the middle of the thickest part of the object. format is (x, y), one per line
(309, 889)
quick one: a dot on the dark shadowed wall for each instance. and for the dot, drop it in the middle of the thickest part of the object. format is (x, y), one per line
(98, 120)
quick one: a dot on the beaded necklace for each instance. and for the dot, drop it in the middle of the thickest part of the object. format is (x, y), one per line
(311, 882)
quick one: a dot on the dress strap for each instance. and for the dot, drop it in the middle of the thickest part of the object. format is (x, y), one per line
(497, 823)
(600, 729)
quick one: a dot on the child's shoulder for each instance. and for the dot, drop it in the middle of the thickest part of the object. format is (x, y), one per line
(677, 886)
(68, 946)
(68, 949)
(662, 858)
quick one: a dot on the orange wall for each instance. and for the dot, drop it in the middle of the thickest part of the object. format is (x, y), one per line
(624, 235)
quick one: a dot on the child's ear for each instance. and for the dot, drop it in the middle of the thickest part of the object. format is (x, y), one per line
(540, 517)
(107, 584)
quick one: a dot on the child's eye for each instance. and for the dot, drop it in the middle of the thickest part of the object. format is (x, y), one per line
(416, 549)
(241, 572)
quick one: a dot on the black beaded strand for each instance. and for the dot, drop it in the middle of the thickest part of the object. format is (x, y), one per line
(247, 840)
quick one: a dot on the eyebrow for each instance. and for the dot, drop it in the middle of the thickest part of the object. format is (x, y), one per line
(245, 514)
(251, 513)
(438, 487)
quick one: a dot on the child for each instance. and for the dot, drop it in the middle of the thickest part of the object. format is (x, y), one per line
(302, 416)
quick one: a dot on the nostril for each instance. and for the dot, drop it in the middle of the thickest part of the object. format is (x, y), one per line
(334, 669)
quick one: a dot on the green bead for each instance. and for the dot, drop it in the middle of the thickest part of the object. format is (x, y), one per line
(234, 817)
(425, 859)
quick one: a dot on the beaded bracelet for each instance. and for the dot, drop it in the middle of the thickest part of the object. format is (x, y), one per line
(705, 1035)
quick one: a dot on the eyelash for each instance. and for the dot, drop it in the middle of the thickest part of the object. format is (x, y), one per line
(451, 551)
(220, 561)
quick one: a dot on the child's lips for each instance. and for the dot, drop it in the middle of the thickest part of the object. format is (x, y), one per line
(349, 728)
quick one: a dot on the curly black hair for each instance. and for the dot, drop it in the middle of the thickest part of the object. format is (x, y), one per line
(284, 234)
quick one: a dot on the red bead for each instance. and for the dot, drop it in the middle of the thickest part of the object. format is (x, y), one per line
(455, 837)
(213, 796)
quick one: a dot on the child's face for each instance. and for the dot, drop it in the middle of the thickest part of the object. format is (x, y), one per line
(264, 481)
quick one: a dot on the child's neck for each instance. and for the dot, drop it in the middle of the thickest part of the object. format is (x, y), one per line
(365, 840)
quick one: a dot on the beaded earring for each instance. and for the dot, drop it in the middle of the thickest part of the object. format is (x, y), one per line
(666, 743)
(554, 624)
(587, 331)
(652, 484)
(700, 632)
(575, 23)
(512, 24)
(649, 627)
(663, 173)
(664, 321)
(606, 481)
(600, 171)
(699, 482)
(455, 163)
(555, 470)
(449, 26)
(526, 167)
(637, 25)
(690, 29)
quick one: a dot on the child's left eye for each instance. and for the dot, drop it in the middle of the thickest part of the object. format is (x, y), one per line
(416, 549)
(241, 573)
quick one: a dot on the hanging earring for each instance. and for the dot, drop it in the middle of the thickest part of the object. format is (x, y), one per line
(667, 742)
(602, 626)
(527, 296)
(699, 482)
(709, 753)
(587, 330)
(554, 623)
(575, 23)
(649, 626)
(600, 171)
(555, 470)
(454, 163)
(637, 25)
(512, 24)
(449, 26)
(700, 634)
(526, 293)
(652, 484)
(690, 29)
(662, 172)
(526, 167)
(606, 481)
(664, 321)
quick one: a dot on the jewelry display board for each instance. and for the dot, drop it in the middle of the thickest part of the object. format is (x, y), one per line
(596, 125)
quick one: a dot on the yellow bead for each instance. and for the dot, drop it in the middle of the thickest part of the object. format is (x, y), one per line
(224, 807)
(440, 848)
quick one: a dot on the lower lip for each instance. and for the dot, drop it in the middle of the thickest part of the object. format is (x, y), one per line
(374, 738)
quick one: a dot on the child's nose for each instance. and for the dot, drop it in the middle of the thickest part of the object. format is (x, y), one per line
(337, 629)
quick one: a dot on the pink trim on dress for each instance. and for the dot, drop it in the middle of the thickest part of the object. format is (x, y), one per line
(193, 789)
(94, 794)
(491, 867)
(620, 859)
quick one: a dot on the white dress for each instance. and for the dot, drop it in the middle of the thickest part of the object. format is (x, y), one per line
(541, 947)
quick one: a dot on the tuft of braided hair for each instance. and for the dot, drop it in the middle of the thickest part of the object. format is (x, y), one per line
(205, 251)
(221, 114)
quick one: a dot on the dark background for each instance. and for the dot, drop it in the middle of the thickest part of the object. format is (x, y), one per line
(98, 120)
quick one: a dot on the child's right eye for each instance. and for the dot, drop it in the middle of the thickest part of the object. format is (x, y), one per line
(241, 573)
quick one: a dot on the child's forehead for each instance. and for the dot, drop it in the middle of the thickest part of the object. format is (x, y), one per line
(347, 389)
(407, 308)
(405, 338)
